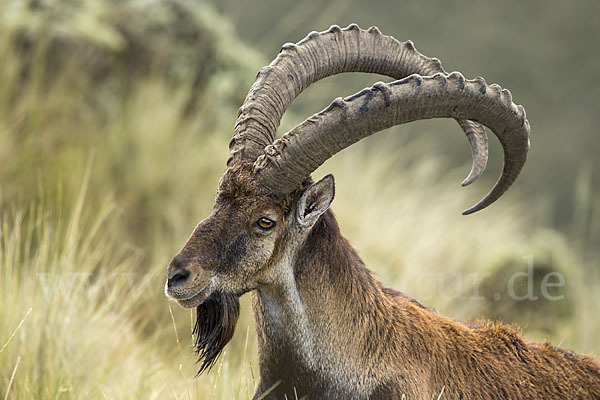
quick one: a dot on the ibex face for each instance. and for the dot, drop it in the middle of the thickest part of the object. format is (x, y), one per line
(240, 244)
(229, 249)
(243, 244)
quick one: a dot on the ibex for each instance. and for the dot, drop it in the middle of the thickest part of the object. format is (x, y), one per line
(327, 328)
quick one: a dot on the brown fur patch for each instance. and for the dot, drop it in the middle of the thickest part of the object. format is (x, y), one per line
(383, 342)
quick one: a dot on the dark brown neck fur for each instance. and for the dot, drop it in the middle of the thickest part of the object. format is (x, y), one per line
(357, 339)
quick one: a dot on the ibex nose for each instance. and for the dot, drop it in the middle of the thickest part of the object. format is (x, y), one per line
(177, 273)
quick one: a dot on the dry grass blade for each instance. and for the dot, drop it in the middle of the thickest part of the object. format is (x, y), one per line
(269, 390)
(12, 378)
(16, 329)
(441, 393)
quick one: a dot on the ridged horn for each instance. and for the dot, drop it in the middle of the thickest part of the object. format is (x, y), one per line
(318, 56)
(291, 159)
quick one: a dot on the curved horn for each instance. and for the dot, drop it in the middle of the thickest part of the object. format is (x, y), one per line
(318, 56)
(292, 158)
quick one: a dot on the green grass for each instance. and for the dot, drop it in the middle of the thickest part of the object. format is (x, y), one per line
(101, 184)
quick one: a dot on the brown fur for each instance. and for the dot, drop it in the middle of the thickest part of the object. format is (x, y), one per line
(417, 352)
(328, 329)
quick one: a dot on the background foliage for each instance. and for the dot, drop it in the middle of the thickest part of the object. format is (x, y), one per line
(114, 123)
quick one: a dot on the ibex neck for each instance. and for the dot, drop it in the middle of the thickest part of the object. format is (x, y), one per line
(317, 325)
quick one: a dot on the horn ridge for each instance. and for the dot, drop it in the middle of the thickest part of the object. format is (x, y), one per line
(291, 159)
(320, 55)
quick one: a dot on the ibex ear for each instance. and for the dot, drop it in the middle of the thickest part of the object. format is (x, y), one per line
(315, 201)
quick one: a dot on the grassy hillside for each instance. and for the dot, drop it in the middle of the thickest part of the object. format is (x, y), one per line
(114, 124)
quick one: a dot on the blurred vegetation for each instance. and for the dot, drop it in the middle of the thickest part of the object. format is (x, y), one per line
(114, 123)
(119, 79)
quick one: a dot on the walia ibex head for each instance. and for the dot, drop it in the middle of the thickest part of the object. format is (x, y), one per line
(326, 327)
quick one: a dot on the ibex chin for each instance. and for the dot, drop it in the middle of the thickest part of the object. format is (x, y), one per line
(327, 328)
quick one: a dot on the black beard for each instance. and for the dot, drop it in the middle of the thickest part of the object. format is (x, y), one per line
(215, 323)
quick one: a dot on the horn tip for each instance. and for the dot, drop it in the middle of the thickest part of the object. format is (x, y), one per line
(471, 210)
(484, 203)
(468, 180)
(476, 171)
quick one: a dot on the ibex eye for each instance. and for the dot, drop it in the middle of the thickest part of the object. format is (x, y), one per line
(265, 223)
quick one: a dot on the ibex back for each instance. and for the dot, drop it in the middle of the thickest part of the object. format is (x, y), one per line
(327, 329)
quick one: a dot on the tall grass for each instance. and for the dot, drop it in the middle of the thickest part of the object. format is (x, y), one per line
(101, 183)
(79, 320)
(89, 263)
